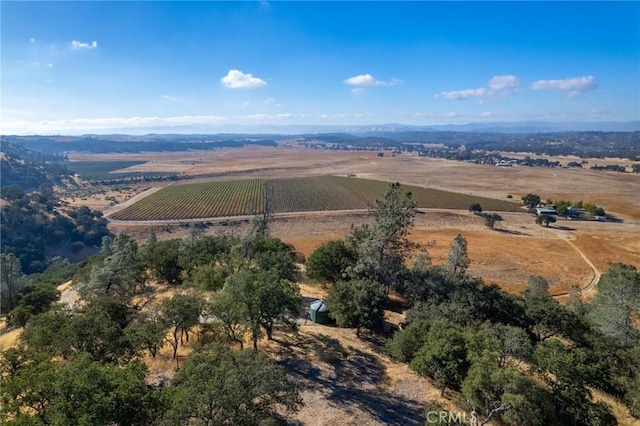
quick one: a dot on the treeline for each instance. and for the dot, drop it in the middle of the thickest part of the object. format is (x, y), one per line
(610, 168)
(135, 177)
(100, 145)
(582, 144)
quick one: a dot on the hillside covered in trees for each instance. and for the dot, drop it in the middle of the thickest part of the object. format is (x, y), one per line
(30, 170)
(34, 226)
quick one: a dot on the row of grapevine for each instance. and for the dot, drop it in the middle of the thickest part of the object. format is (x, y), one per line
(195, 201)
(312, 194)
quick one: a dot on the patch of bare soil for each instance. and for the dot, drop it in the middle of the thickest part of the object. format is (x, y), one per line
(106, 197)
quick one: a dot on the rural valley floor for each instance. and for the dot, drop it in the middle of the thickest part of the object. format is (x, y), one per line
(506, 256)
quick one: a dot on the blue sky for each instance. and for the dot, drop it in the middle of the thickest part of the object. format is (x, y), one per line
(70, 67)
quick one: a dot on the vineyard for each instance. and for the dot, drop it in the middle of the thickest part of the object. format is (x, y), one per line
(195, 201)
(247, 197)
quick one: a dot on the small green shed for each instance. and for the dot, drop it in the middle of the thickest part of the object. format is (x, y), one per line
(319, 313)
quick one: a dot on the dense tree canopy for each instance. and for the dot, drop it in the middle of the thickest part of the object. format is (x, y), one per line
(358, 304)
(220, 386)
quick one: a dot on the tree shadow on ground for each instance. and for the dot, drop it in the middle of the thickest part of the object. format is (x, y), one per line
(511, 232)
(346, 377)
(563, 228)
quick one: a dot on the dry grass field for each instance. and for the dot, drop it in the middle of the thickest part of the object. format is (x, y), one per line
(507, 256)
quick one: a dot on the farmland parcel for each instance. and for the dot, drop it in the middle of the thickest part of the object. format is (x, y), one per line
(250, 196)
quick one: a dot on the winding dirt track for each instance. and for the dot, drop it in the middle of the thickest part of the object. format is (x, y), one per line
(596, 274)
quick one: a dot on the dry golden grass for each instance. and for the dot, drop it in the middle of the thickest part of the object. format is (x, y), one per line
(508, 256)
(64, 286)
(9, 339)
(621, 413)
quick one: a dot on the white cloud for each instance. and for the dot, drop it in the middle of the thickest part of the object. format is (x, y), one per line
(236, 79)
(32, 40)
(369, 80)
(78, 45)
(487, 114)
(504, 82)
(246, 104)
(463, 94)
(357, 91)
(49, 65)
(268, 101)
(169, 98)
(500, 86)
(572, 86)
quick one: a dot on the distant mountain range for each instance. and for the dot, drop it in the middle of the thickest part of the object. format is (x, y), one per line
(519, 127)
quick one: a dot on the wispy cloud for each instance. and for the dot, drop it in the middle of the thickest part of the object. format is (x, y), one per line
(236, 79)
(90, 124)
(78, 45)
(571, 86)
(32, 40)
(343, 115)
(358, 91)
(369, 80)
(500, 86)
(264, 116)
(504, 85)
(463, 94)
(169, 98)
(39, 64)
(268, 101)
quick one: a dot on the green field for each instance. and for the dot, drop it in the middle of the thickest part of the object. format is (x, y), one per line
(325, 193)
(98, 169)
